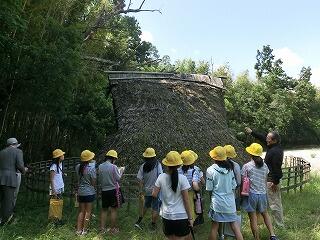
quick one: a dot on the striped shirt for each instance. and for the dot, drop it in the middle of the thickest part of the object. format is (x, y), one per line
(257, 176)
(192, 175)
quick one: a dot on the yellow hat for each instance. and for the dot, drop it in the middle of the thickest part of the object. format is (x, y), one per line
(57, 153)
(194, 154)
(173, 158)
(86, 155)
(149, 153)
(188, 157)
(230, 151)
(218, 153)
(255, 149)
(112, 153)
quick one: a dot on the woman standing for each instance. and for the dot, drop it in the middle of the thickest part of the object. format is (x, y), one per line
(221, 184)
(87, 176)
(111, 195)
(147, 176)
(175, 208)
(256, 170)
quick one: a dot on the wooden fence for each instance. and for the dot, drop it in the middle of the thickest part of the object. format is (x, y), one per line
(36, 182)
(296, 173)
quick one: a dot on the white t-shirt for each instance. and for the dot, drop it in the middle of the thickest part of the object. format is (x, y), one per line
(172, 207)
(57, 179)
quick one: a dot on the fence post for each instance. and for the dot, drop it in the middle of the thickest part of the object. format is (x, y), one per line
(288, 180)
(301, 175)
(295, 177)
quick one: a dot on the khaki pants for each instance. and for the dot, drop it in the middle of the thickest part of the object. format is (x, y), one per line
(275, 204)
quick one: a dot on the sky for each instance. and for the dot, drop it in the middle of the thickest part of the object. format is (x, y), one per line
(231, 31)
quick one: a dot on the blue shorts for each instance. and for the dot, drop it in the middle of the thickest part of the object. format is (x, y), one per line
(255, 203)
(151, 202)
(222, 217)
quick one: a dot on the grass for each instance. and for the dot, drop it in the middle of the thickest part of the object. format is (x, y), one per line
(302, 219)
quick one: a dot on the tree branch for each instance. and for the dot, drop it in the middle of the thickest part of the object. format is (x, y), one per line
(139, 10)
(100, 60)
(142, 4)
(104, 16)
(129, 5)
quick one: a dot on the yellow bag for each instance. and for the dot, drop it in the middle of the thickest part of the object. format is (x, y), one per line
(55, 209)
(76, 202)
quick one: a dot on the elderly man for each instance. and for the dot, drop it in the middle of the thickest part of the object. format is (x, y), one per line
(11, 161)
(273, 159)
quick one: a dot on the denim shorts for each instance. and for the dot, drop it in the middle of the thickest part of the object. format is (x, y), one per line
(151, 202)
(222, 217)
(255, 203)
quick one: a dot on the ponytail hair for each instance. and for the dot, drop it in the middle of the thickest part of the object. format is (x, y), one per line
(82, 167)
(55, 161)
(258, 161)
(185, 168)
(174, 178)
(110, 159)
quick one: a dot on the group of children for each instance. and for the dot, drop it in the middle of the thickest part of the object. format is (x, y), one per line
(175, 194)
(108, 176)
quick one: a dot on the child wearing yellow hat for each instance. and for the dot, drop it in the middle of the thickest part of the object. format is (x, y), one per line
(175, 209)
(56, 174)
(188, 169)
(231, 155)
(111, 195)
(147, 176)
(221, 184)
(86, 174)
(257, 171)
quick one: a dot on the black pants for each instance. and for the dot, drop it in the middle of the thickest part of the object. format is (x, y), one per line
(6, 202)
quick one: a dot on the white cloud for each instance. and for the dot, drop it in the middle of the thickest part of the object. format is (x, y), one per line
(146, 36)
(315, 77)
(290, 58)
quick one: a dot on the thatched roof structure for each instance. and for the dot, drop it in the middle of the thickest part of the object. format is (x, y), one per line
(168, 112)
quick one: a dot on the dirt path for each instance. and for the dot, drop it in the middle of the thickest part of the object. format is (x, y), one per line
(312, 155)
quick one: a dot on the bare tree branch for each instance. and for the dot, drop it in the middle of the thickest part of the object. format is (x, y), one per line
(104, 16)
(142, 4)
(139, 10)
(129, 5)
(100, 60)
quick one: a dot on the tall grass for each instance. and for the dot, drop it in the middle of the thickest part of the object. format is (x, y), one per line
(302, 219)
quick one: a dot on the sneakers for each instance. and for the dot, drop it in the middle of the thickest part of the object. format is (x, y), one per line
(114, 230)
(137, 225)
(274, 238)
(9, 220)
(81, 233)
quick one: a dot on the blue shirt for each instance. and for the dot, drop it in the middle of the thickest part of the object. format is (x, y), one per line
(221, 183)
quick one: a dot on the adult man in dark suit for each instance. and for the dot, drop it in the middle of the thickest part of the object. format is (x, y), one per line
(11, 161)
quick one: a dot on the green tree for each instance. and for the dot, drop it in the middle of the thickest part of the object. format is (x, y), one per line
(224, 72)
